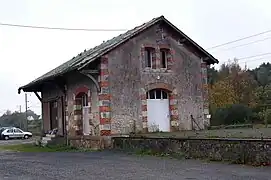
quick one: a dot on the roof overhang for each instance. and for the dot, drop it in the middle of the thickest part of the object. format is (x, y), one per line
(208, 57)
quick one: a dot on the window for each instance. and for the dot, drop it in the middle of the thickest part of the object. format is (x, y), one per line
(164, 95)
(164, 56)
(17, 131)
(157, 94)
(149, 53)
(55, 104)
(84, 100)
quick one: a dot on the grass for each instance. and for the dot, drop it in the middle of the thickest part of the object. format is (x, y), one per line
(34, 148)
(175, 155)
(244, 133)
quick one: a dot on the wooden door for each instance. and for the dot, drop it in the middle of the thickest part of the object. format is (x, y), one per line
(53, 115)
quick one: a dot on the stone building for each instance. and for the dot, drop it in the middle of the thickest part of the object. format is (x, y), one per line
(150, 78)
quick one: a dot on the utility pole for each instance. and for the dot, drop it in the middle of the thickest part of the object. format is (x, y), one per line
(20, 110)
(26, 108)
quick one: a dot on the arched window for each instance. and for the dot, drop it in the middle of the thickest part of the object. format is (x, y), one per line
(157, 94)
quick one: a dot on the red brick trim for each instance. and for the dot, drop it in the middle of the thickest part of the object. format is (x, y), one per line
(77, 113)
(104, 84)
(164, 46)
(204, 85)
(144, 119)
(170, 59)
(144, 107)
(105, 132)
(173, 106)
(105, 111)
(105, 120)
(174, 113)
(164, 86)
(81, 89)
(104, 72)
(146, 45)
(104, 97)
(154, 55)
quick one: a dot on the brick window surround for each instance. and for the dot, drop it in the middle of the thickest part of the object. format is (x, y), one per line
(156, 56)
(173, 106)
(77, 108)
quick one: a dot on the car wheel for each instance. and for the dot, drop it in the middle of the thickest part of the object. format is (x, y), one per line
(6, 138)
(26, 136)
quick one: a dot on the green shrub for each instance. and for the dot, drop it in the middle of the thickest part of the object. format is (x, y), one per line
(233, 114)
(267, 116)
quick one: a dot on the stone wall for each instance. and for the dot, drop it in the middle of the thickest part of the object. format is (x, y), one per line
(129, 79)
(254, 152)
(92, 142)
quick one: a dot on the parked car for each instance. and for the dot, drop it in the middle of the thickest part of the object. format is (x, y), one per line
(2, 129)
(12, 133)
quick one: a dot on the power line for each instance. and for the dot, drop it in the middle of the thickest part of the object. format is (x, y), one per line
(252, 60)
(58, 28)
(247, 37)
(241, 45)
(248, 57)
(252, 56)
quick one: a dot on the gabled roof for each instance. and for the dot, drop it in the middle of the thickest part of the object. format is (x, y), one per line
(84, 58)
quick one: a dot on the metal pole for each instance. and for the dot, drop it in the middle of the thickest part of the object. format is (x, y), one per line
(20, 110)
(26, 108)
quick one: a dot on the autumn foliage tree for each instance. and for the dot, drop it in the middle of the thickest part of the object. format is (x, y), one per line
(232, 85)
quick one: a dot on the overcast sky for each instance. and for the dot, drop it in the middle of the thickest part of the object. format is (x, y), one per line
(25, 53)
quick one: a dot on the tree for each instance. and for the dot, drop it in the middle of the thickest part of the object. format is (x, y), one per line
(212, 75)
(16, 118)
(222, 94)
(233, 86)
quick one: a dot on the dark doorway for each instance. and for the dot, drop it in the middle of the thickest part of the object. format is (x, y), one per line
(53, 115)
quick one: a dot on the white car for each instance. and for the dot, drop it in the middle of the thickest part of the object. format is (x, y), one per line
(12, 133)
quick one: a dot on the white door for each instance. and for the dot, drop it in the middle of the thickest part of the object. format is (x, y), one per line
(158, 111)
(86, 126)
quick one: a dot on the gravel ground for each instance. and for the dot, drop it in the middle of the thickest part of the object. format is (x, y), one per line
(117, 166)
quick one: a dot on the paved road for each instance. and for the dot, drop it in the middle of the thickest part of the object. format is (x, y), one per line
(17, 141)
(109, 165)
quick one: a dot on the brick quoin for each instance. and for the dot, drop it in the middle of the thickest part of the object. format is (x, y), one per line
(174, 113)
(77, 111)
(105, 111)
(143, 97)
(204, 85)
(170, 59)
